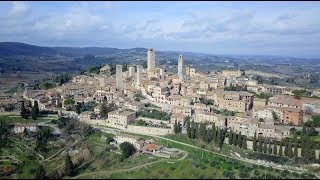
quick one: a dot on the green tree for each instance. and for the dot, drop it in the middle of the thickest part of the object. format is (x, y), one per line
(254, 142)
(104, 111)
(78, 109)
(234, 139)
(275, 150)
(218, 136)
(295, 147)
(208, 136)
(280, 149)
(244, 142)
(202, 131)
(286, 149)
(309, 153)
(230, 140)
(197, 134)
(175, 130)
(127, 149)
(68, 102)
(260, 145)
(213, 133)
(265, 145)
(188, 127)
(35, 110)
(239, 143)
(69, 167)
(24, 112)
(192, 130)
(290, 151)
(269, 148)
(40, 172)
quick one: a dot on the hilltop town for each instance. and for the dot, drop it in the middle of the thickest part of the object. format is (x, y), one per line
(225, 107)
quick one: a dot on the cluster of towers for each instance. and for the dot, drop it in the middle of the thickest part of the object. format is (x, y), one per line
(151, 65)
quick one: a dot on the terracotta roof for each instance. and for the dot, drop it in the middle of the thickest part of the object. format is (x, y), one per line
(151, 147)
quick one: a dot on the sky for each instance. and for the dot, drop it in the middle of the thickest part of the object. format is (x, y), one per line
(251, 28)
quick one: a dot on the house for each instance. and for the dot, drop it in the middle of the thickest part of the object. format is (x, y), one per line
(20, 128)
(135, 140)
(151, 148)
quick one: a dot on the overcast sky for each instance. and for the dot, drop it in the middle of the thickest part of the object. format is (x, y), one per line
(261, 28)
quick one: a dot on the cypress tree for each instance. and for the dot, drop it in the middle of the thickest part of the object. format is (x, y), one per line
(218, 136)
(175, 127)
(35, 110)
(68, 165)
(188, 127)
(260, 145)
(203, 131)
(275, 149)
(208, 136)
(192, 133)
(213, 133)
(239, 143)
(254, 142)
(230, 137)
(244, 142)
(286, 149)
(303, 146)
(265, 145)
(309, 153)
(296, 147)
(290, 151)
(197, 130)
(269, 148)
(280, 149)
(234, 139)
(222, 136)
(24, 112)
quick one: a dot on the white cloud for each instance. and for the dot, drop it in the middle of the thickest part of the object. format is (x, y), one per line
(19, 8)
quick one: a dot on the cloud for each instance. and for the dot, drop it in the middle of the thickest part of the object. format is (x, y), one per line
(19, 8)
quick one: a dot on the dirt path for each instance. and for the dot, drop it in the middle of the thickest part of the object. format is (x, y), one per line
(133, 168)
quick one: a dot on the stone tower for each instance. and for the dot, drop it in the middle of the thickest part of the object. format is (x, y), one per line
(119, 78)
(139, 76)
(151, 59)
(131, 71)
(181, 70)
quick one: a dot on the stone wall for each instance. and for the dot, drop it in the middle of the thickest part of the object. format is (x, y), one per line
(148, 130)
(154, 121)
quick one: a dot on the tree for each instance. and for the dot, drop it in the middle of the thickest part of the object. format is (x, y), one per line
(104, 111)
(234, 139)
(230, 140)
(269, 148)
(275, 150)
(213, 133)
(78, 111)
(244, 142)
(68, 102)
(290, 151)
(35, 110)
(69, 167)
(127, 149)
(295, 147)
(254, 142)
(309, 153)
(286, 149)
(280, 149)
(40, 172)
(202, 131)
(196, 130)
(192, 134)
(175, 130)
(260, 145)
(24, 112)
(208, 136)
(265, 145)
(239, 140)
(218, 136)
(188, 127)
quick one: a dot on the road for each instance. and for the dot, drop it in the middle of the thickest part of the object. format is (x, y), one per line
(133, 168)
(256, 162)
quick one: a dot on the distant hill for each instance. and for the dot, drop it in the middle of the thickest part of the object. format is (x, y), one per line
(16, 48)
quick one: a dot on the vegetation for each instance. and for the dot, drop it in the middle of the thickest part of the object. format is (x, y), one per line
(235, 88)
(68, 102)
(35, 110)
(127, 149)
(316, 120)
(154, 114)
(69, 167)
(105, 109)
(206, 101)
(138, 97)
(40, 172)
(24, 113)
